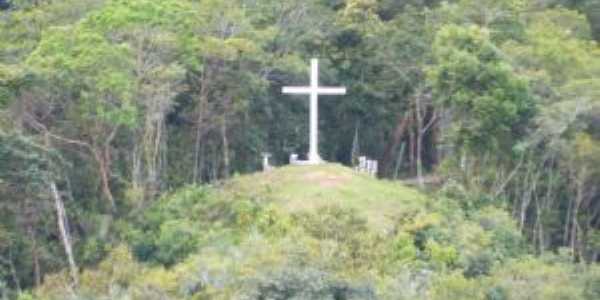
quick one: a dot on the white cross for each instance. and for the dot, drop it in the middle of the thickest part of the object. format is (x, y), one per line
(314, 90)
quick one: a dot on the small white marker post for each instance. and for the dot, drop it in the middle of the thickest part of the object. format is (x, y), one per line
(266, 164)
(314, 90)
(362, 164)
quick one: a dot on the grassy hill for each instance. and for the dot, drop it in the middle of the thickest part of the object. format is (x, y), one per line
(319, 232)
(308, 188)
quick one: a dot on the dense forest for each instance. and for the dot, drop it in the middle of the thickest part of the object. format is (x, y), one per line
(131, 132)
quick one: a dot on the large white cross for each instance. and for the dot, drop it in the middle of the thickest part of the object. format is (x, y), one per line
(314, 90)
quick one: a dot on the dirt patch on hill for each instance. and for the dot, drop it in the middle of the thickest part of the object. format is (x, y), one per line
(325, 179)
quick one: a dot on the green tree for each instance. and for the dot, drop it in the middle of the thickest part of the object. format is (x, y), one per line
(92, 80)
(490, 104)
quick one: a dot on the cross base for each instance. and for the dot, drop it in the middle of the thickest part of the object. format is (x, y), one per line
(306, 163)
(313, 160)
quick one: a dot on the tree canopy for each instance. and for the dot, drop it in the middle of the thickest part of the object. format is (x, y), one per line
(124, 121)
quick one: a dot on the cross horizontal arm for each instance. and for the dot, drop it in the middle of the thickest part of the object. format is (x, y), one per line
(303, 90)
(331, 91)
(297, 90)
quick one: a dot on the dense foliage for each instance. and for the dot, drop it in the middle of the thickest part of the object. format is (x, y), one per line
(257, 237)
(116, 115)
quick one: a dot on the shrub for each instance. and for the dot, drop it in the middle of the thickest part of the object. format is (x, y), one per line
(403, 248)
(496, 293)
(591, 289)
(479, 265)
(175, 241)
(304, 283)
(454, 286)
(441, 255)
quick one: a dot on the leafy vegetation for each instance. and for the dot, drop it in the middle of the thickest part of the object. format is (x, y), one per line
(219, 244)
(131, 133)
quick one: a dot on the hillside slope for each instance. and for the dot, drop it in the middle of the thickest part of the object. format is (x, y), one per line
(320, 232)
(308, 188)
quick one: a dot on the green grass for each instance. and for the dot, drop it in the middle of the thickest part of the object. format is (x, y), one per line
(302, 188)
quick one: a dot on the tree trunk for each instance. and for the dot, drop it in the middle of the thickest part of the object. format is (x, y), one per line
(196, 173)
(401, 127)
(202, 105)
(436, 154)
(137, 180)
(523, 211)
(102, 155)
(215, 165)
(61, 216)
(63, 230)
(539, 227)
(37, 272)
(13, 272)
(422, 129)
(399, 160)
(525, 200)
(153, 143)
(226, 161)
(529, 194)
(545, 205)
(498, 191)
(202, 162)
(567, 226)
(419, 162)
(412, 150)
(105, 179)
(574, 218)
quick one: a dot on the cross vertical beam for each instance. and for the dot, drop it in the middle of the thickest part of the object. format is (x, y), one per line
(313, 152)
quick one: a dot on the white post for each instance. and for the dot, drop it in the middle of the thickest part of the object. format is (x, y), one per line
(362, 164)
(313, 153)
(266, 165)
(375, 168)
(371, 167)
(293, 158)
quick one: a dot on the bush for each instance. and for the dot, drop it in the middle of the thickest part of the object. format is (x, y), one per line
(175, 241)
(169, 230)
(479, 265)
(441, 255)
(591, 289)
(297, 284)
(496, 293)
(403, 248)
(93, 251)
(332, 222)
(506, 240)
(454, 286)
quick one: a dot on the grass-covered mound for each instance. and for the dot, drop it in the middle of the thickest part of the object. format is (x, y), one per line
(321, 232)
(308, 189)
